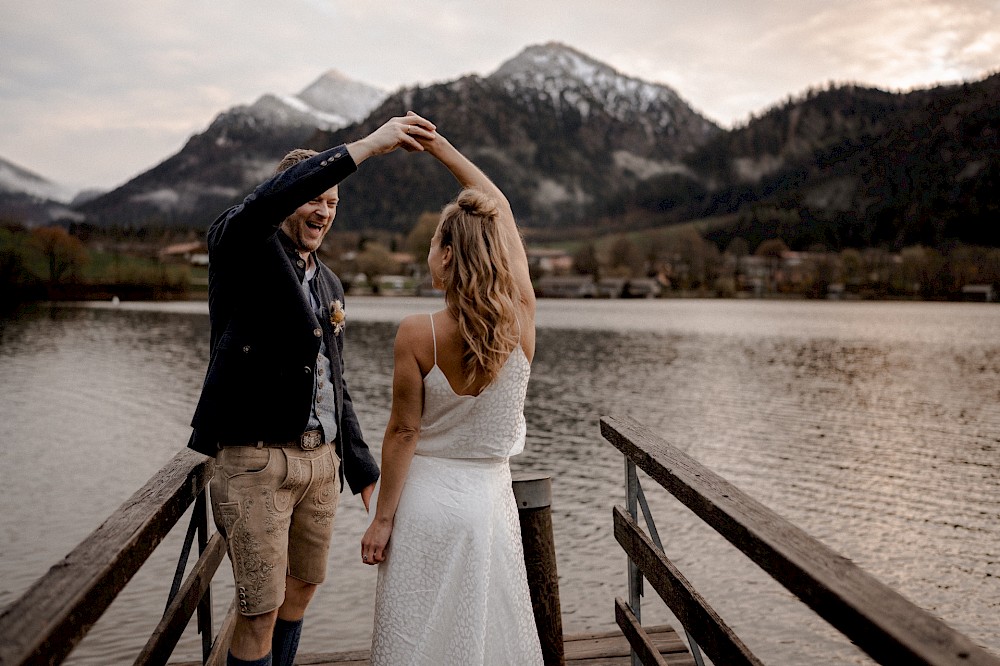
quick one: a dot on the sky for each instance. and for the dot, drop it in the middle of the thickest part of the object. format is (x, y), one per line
(93, 93)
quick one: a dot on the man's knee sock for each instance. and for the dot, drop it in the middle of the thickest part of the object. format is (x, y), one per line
(285, 642)
(263, 661)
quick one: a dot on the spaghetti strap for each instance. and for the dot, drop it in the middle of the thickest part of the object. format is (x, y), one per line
(518, 320)
(434, 338)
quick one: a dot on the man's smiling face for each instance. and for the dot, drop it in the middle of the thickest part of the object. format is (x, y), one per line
(309, 224)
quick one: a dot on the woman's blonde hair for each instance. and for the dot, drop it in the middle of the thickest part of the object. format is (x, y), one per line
(479, 288)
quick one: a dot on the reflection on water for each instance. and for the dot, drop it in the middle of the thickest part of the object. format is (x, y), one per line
(875, 427)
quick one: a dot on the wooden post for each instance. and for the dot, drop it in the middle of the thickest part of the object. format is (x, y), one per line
(533, 494)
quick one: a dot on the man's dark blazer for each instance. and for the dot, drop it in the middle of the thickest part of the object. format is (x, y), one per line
(265, 336)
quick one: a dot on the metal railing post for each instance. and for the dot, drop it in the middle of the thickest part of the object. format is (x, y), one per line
(655, 535)
(634, 575)
(201, 509)
(198, 526)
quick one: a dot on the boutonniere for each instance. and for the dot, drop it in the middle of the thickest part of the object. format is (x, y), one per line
(337, 316)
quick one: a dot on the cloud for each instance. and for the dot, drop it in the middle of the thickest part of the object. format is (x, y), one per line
(143, 77)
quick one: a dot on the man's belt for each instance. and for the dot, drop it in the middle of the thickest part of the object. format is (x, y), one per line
(309, 440)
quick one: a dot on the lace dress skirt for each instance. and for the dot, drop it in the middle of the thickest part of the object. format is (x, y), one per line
(452, 589)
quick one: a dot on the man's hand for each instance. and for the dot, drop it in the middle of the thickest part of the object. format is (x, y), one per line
(366, 495)
(401, 131)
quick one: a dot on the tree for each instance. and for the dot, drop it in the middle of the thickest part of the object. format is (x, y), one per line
(14, 277)
(853, 266)
(738, 247)
(62, 251)
(585, 260)
(696, 261)
(626, 257)
(418, 241)
(375, 261)
(913, 260)
(772, 250)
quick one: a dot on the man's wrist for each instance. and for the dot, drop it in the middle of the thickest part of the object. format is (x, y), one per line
(359, 150)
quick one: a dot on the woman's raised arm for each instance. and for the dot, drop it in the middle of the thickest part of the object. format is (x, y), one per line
(470, 176)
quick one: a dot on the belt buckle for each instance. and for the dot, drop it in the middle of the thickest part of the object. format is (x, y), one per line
(311, 439)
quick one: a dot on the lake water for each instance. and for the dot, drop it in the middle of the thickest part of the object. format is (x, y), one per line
(873, 426)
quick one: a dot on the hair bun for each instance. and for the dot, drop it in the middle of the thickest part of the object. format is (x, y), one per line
(476, 202)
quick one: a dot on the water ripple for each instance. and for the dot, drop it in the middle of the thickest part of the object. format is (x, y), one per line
(874, 427)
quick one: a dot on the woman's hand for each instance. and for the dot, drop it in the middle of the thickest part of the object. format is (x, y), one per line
(435, 144)
(375, 541)
(399, 132)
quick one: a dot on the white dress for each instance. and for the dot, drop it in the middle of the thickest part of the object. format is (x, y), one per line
(453, 589)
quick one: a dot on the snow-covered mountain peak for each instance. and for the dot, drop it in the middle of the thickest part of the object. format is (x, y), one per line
(562, 72)
(332, 101)
(333, 92)
(553, 60)
(14, 179)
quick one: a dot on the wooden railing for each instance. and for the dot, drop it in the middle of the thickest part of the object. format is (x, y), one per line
(890, 628)
(58, 610)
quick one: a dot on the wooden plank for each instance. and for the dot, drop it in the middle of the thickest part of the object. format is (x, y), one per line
(177, 615)
(608, 648)
(220, 648)
(614, 633)
(636, 635)
(47, 622)
(619, 646)
(878, 619)
(714, 636)
(614, 644)
(672, 659)
(339, 658)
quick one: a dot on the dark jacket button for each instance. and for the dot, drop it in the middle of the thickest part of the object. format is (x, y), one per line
(246, 349)
(318, 332)
(307, 370)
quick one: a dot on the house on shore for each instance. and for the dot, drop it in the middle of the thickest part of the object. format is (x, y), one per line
(981, 293)
(566, 286)
(547, 261)
(194, 253)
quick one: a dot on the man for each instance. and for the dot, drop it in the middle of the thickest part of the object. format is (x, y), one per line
(274, 409)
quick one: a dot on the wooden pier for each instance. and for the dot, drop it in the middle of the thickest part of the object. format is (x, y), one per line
(598, 649)
(50, 619)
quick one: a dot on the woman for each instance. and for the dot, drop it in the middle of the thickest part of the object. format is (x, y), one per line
(451, 582)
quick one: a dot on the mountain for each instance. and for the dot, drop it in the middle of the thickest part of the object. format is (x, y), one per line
(649, 120)
(29, 199)
(350, 101)
(579, 147)
(860, 167)
(14, 179)
(561, 133)
(238, 150)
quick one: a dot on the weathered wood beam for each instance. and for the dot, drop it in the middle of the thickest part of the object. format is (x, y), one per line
(217, 657)
(164, 638)
(636, 635)
(714, 636)
(48, 621)
(606, 645)
(882, 622)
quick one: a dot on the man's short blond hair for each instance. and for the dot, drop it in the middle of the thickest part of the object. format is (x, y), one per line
(294, 157)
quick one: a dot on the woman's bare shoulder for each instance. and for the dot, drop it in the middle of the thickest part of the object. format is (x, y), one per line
(413, 328)
(414, 335)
